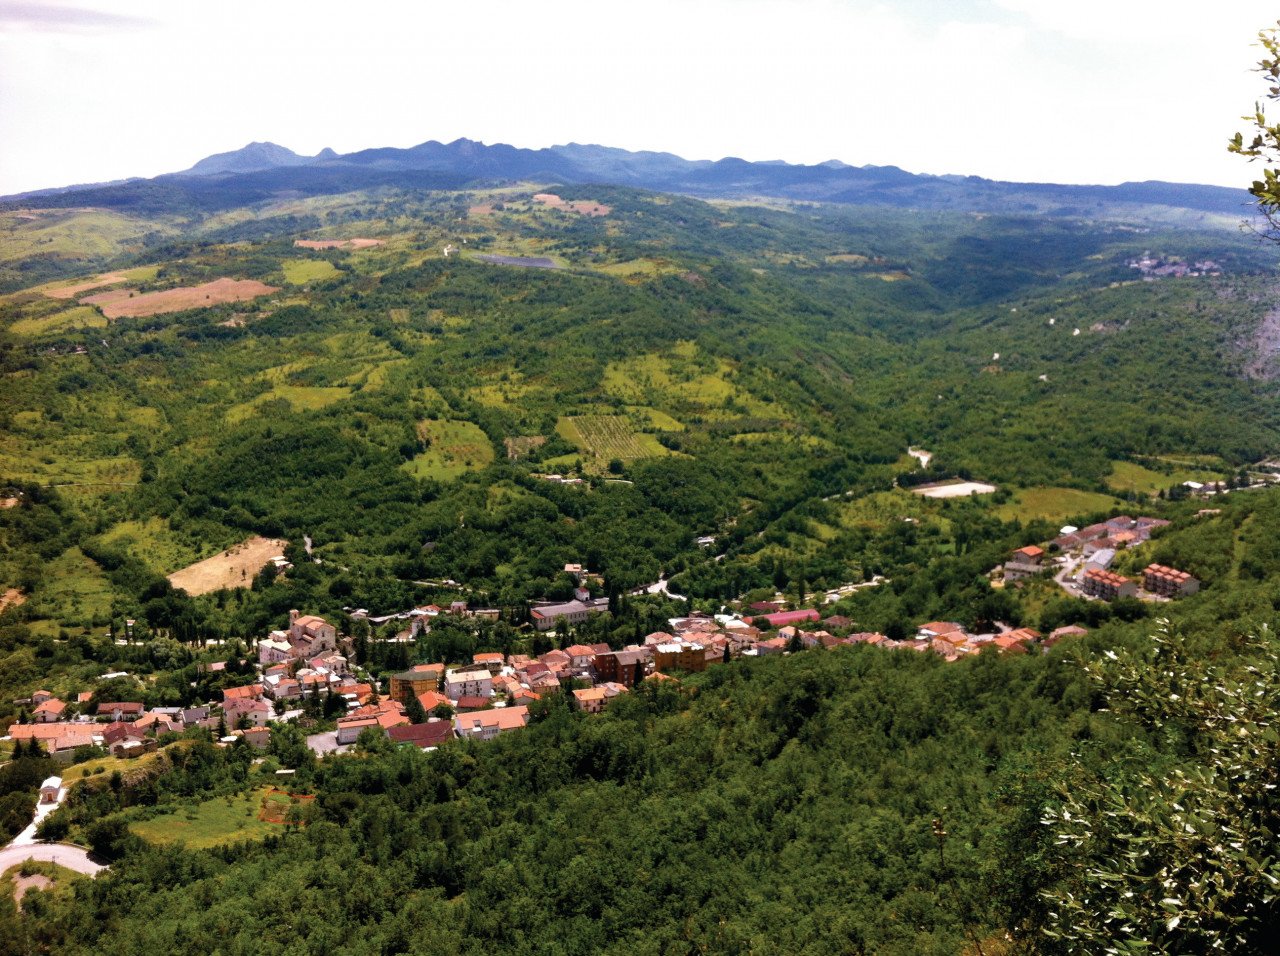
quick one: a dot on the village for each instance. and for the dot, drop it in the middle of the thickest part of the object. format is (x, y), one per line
(309, 662)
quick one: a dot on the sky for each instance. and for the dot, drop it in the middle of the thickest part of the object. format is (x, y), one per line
(1086, 91)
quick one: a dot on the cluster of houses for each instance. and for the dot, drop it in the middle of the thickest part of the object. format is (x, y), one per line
(1093, 550)
(122, 728)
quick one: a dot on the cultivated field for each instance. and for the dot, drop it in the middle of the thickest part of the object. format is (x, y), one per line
(337, 243)
(582, 206)
(606, 437)
(233, 568)
(302, 271)
(122, 303)
(68, 320)
(71, 291)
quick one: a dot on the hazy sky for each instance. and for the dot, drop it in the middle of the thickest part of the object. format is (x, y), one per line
(1074, 91)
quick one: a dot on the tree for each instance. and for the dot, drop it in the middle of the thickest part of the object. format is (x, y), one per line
(414, 710)
(1176, 854)
(1264, 143)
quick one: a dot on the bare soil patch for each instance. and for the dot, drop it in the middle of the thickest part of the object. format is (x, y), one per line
(123, 303)
(9, 502)
(523, 444)
(36, 881)
(954, 489)
(484, 209)
(583, 207)
(11, 598)
(337, 243)
(71, 291)
(233, 568)
(276, 805)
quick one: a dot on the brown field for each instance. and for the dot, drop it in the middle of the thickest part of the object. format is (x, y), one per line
(11, 598)
(582, 206)
(337, 243)
(481, 210)
(122, 303)
(71, 291)
(276, 804)
(233, 568)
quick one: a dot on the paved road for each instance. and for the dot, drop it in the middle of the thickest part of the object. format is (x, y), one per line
(72, 857)
(322, 744)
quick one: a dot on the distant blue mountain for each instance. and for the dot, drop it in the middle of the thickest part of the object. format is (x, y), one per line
(262, 170)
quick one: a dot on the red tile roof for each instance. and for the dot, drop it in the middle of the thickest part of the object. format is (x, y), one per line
(783, 618)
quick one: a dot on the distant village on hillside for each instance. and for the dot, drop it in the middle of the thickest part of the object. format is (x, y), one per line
(429, 704)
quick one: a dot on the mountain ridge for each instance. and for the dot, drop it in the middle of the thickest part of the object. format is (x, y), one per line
(263, 170)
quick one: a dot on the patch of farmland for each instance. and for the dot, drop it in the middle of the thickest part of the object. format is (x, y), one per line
(452, 448)
(299, 397)
(520, 445)
(337, 243)
(68, 320)
(583, 207)
(606, 437)
(524, 262)
(124, 303)
(232, 568)
(304, 271)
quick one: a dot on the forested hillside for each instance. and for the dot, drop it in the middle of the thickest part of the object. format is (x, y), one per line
(428, 394)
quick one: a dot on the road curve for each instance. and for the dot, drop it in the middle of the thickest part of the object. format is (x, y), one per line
(64, 854)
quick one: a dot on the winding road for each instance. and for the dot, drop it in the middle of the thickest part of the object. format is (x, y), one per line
(64, 854)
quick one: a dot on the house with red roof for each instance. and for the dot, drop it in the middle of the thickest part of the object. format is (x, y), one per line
(50, 710)
(487, 724)
(785, 618)
(427, 736)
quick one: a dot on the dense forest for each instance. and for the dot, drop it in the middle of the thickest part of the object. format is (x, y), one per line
(722, 397)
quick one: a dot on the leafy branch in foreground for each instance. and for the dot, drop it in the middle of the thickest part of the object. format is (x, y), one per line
(1180, 860)
(1265, 143)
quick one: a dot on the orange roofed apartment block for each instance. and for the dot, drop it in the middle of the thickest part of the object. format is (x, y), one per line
(1107, 585)
(1169, 582)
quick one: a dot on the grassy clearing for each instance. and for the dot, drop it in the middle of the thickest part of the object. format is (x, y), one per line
(210, 823)
(1054, 504)
(606, 437)
(684, 378)
(657, 419)
(305, 271)
(80, 317)
(69, 234)
(152, 542)
(1132, 477)
(453, 448)
(75, 588)
(639, 268)
(299, 397)
(131, 768)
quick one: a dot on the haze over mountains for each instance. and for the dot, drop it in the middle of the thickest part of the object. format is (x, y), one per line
(261, 171)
